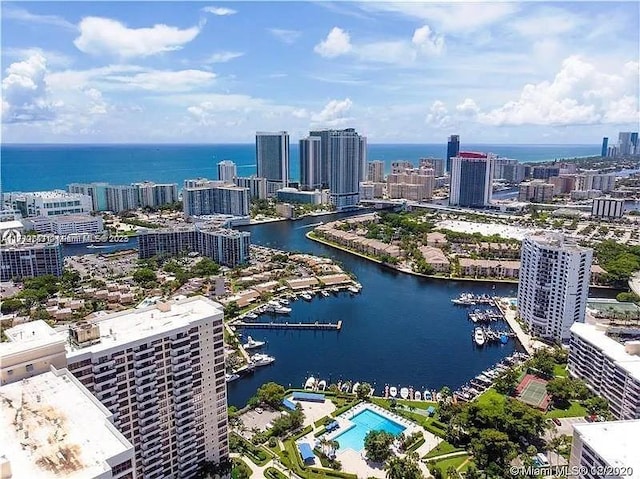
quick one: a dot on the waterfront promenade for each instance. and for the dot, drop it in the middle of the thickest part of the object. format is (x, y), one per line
(527, 342)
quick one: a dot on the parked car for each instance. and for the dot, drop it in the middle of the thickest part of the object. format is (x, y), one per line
(556, 421)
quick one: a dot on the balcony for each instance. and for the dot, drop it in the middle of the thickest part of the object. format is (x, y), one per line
(147, 429)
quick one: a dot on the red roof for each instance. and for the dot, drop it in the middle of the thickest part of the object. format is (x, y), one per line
(471, 154)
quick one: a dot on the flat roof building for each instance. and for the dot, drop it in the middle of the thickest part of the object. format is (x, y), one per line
(29, 260)
(53, 427)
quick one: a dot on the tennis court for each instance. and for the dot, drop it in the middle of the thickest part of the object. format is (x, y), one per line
(533, 391)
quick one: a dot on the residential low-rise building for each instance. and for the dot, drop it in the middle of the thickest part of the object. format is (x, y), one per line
(48, 203)
(605, 450)
(293, 195)
(436, 258)
(536, 191)
(65, 224)
(286, 210)
(609, 368)
(489, 268)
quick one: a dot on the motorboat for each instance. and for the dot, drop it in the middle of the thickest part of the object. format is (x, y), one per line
(281, 310)
(251, 316)
(404, 393)
(284, 301)
(393, 391)
(322, 385)
(417, 396)
(354, 390)
(479, 336)
(427, 395)
(325, 293)
(346, 387)
(231, 377)
(262, 359)
(386, 391)
(306, 296)
(310, 383)
(252, 343)
(353, 290)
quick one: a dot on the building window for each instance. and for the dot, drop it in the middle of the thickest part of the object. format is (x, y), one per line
(29, 367)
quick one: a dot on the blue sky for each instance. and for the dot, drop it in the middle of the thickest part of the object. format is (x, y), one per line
(399, 72)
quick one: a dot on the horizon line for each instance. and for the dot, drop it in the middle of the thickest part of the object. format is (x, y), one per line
(252, 143)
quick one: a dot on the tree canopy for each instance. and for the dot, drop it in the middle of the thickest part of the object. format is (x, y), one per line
(271, 393)
(377, 443)
(402, 468)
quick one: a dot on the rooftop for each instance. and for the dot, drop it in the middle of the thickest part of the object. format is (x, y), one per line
(615, 442)
(134, 324)
(45, 435)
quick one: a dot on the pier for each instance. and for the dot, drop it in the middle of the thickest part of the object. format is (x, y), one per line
(527, 342)
(272, 325)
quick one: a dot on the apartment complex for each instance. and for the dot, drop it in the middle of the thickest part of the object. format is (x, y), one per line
(411, 183)
(375, 171)
(272, 157)
(47, 203)
(293, 195)
(203, 197)
(153, 195)
(256, 185)
(347, 165)
(471, 179)
(609, 208)
(29, 260)
(610, 369)
(53, 427)
(592, 180)
(65, 224)
(536, 191)
(554, 284)
(117, 198)
(602, 447)
(227, 171)
(310, 163)
(224, 246)
(437, 164)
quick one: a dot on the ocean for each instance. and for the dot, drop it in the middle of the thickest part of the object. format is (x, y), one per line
(45, 167)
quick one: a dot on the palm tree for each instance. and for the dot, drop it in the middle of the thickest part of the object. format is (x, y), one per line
(452, 473)
(324, 444)
(394, 468)
(334, 445)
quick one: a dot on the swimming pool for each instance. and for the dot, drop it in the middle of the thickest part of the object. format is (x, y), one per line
(363, 422)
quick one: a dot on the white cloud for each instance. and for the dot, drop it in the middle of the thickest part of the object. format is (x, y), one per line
(22, 15)
(400, 52)
(222, 57)
(338, 42)
(546, 22)
(54, 58)
(579, 94)
(24, 91)
(468, 107)
(220, 11)
(104, 36)
(285, 36)
(454, 18)
(438, 115)
(427, 41)
(334, 113)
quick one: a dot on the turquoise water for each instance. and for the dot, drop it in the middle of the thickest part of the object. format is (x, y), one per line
(366, 421)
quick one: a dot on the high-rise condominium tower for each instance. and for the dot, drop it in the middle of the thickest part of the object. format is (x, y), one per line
(347, 157)
(310, 163)
(272, 156)
(227, 171)
(471, 179)
(554, 284)
(453, 148)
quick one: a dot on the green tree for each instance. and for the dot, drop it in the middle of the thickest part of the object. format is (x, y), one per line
(363, 391)
(492, 447)
(561, 391)
(377, 443)
(231, 310)
(11, 305)
(597, 405)
(472, 473)
(144, 276)
(507, 382)
(271, 393)
(543, 361)
(205, 267)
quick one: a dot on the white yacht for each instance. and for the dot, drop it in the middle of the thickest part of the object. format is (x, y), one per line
(306, 296)
(479, 336)
(281, 310)
(252, 343)
(284, 301)
(322, 385)
(310, 383)
(325, 293)
(417, 396)
(231, 377)
(355, 388)
(353, 290)
(393, 391)
(262, 359)
(404, 393)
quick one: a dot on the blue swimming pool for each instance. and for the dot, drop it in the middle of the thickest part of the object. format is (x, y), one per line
(365, 421)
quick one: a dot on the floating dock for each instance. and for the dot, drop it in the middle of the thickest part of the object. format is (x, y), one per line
(273, 325)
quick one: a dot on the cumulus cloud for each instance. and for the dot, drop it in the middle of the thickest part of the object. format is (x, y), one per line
(337, 42)
(468, 107)
(334, 113)
(424, 43)
(427, 41)
(104, 36)
(285, 36)
(219, 11)
(579, 94)
(438, 115)
(24, 91)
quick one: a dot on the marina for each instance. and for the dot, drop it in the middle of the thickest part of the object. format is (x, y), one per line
(287, 325)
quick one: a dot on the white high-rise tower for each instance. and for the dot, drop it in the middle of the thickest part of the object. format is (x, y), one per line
(554, 285)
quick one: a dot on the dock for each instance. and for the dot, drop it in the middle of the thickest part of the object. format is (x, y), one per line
(273, 325)
(527, 342)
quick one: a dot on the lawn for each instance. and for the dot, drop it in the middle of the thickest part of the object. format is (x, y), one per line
(489, 396)
(455, 462)
(443, 448)
(575, 410)
(559, 370)
(240, 469)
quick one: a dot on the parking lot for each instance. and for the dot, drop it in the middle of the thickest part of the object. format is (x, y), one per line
(253, 420)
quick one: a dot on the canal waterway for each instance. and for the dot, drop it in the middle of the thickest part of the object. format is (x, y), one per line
(400, 330)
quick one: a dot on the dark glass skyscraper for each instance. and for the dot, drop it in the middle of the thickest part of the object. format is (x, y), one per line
(310, 165)
(272, 156)
(605, 145)
(471, 179)
(453, 148)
